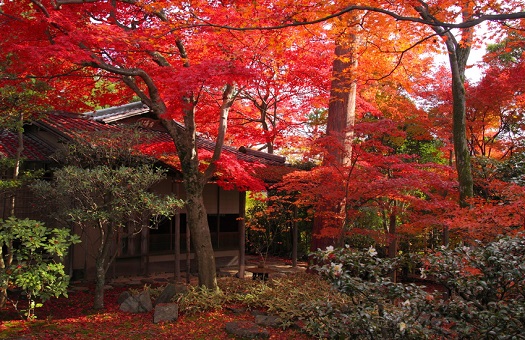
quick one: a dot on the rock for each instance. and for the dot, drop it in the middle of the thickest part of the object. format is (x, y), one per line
(247, 330)
(144, 300)
(167, 293)
(256, 312)
(123, 296)
(236, 310)
(130, 305)
(140, 303)
(166, 312)
(268, 320)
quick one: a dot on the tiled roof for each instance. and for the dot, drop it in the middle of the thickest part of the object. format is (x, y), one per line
(68, 124)
(117, 113)
(68, 127)
(34, 149)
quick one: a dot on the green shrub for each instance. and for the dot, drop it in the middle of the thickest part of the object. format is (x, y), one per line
(31, 261)
(485, 284)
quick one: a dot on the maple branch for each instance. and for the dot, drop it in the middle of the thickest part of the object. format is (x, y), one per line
(55, 75)
(68, 2)
(402, 53)
(183, 54)
(228, 97)
(42, 8)
(466, 24)
(154, 101)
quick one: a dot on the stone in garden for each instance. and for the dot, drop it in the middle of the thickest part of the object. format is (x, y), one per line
(268, 320)
(256, 312)
(236, 310)
(247, 330)
(166, 312)
(145, 304)
(123, 296)
(140, 303)
(130, 305)
(167, 293)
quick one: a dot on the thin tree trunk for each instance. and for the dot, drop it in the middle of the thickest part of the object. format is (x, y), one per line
(177, 248)
(188, 252)
(102, 264)
(100, 282)
(242, 233)
(458, 53)
(392, 238)
(6, 259)
(461, 150)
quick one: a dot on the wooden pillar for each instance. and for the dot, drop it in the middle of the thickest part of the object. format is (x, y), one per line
(242, 232)
(177, 246)
(218, 217)
(176, 220)
(144, 249)
(188, 253)
(295, 238)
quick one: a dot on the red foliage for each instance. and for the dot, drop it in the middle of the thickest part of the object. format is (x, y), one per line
(72, 318)
(487, 218)
(379, 180)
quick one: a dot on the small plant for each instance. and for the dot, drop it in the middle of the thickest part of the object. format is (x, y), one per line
(31, 261)
(200, 299)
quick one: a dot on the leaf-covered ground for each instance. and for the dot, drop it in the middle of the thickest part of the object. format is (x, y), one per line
(73, 318)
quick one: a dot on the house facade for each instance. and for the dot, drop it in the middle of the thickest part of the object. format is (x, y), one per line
(164, 246)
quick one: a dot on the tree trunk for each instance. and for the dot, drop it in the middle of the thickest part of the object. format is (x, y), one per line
(458, 52)
(194, 181)
(458, 60)
(343, 93)
(100, 282)
(7, 259)
(197, 219)
(341, 118)
(392, 238)
(102, 263)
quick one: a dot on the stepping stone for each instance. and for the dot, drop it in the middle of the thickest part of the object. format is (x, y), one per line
(247, 330)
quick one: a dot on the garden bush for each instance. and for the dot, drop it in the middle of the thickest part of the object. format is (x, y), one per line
(482, 294)
(30, 261)
(485, 287)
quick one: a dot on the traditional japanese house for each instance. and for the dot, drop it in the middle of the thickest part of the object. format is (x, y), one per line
(154, 249)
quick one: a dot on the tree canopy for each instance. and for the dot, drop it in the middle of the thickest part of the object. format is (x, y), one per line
(255, 73)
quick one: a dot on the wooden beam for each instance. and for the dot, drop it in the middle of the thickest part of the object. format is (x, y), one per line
(242, 233)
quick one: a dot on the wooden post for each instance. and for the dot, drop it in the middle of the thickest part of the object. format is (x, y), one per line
(242, 233)
(295, 238)
(177, 247)
(176, 219)
(144, 251)
(188, 249)
(218, 217)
